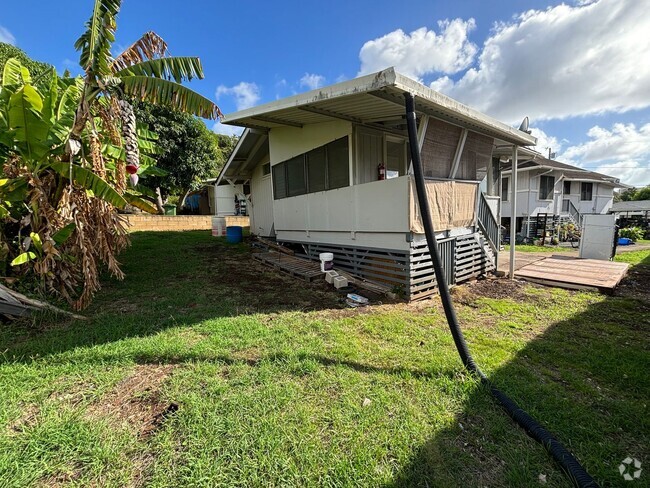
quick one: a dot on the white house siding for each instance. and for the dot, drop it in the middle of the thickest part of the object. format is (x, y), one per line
(287, 142)
(373, 214)
(528, 202)
(261, 207)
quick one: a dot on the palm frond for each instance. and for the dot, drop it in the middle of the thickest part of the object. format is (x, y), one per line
(95, 42)
(178, 69)
(171, 94)
(149, 46)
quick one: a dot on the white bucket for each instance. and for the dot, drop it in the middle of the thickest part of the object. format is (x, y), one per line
(219, 226)
(326, 261)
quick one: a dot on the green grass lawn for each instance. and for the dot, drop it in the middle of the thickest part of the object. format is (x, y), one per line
(203, 368)
(547, 248)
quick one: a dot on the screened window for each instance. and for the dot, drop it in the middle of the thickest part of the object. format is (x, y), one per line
(266, 169)
(395, 158)
(323, 168)
(504, 188)
(279, 181)
(567, 188)
(546, 184)
(586, 191)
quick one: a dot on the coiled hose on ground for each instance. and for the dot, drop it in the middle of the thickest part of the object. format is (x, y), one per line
(564, 458)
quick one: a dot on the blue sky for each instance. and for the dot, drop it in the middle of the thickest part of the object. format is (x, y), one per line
(578, 69)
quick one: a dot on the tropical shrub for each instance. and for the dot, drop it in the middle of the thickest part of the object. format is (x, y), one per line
(634, 233)
(66, 147)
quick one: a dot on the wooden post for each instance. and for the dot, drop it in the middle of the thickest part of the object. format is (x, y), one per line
(513, 213)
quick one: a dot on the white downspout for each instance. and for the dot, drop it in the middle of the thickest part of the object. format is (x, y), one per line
(513, 213)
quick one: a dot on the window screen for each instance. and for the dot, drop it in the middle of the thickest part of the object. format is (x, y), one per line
(296, 183)
(504, 189)
(266, 169)
(317, 170)
(323, 168)
(586, 191)
(567, 188)
(338, 163)
(279, 181)
(546, 184)
(395, 159)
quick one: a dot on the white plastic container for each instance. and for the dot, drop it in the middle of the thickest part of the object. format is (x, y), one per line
(326, 261)
(219, 226)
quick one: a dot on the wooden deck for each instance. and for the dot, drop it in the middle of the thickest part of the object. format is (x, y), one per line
(574, 273)
(298, 267)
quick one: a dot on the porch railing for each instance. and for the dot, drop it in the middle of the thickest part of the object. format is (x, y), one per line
(488, 224)
(574, 213)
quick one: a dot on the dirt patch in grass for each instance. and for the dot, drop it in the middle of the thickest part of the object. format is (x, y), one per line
(469, 292)
(137, 401)
(261, 288)
(636, 283)
(27, 419)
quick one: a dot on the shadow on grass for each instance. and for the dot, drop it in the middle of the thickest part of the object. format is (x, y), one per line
(585, 380)
(173, 279)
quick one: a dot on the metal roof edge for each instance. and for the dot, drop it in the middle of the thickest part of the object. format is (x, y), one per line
(232, 156)
(362, 84)
(418, 89)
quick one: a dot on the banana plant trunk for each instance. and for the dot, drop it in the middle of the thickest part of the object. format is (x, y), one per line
(159, 202)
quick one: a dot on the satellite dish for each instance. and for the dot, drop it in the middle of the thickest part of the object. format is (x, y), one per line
(524, 126)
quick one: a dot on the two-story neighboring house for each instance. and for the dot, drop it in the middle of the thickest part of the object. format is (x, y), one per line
(555, 189)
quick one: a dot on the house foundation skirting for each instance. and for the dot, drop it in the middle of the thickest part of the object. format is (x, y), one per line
(410, 272)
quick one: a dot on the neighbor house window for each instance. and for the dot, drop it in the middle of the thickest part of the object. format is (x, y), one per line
(567, 188)
(324, 168)
(586, 191)
(504, 188)
(546, 184)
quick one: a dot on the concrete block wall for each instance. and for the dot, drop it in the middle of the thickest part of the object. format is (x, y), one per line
(147, 222)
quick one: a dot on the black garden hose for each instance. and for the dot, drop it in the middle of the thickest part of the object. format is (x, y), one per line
(565, 459)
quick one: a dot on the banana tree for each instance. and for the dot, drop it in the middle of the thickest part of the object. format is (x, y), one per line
(144, 71)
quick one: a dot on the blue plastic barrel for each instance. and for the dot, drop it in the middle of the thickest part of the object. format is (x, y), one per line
(234, 234)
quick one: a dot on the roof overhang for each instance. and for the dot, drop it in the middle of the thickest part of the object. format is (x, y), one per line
(375, 100)
(249, 151)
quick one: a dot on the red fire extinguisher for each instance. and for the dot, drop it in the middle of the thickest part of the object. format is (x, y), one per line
(381, 171)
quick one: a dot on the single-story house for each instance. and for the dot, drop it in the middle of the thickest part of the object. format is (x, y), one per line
(557, 190)
(329, 170)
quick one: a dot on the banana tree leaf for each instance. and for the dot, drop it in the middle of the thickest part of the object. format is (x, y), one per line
(145, 133)
(50, 99)
(140, 203)
(153, 171)
(169, 93)
(14, 190)
(24, 117)
(178, 69)
(90, 181)
(145, 190)
(15, 74)
(23, 258)
(64, 234)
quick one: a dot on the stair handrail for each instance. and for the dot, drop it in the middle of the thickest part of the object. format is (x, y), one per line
(487, 222)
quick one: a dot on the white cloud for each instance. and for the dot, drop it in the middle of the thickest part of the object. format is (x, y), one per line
(6, 36)
(227, 130)
(245, 94)
(312, 81)
(422, 51)
(622, 151)
(561, 62)
(544, 141)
